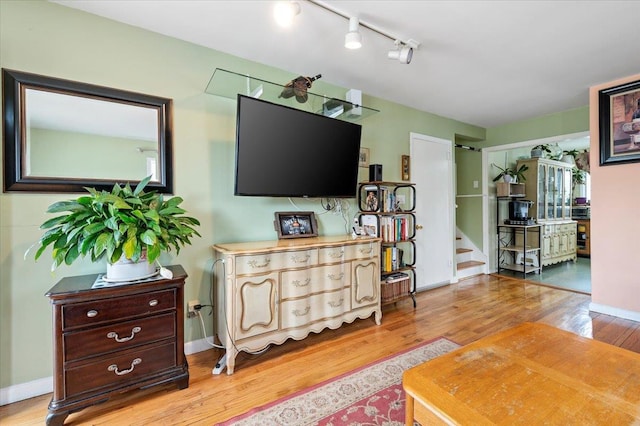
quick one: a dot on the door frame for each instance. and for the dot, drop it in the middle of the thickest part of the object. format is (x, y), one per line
(488, 221)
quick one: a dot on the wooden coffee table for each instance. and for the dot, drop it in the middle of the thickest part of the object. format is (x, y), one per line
(530, 374)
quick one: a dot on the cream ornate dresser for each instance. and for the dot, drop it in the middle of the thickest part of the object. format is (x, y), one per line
(271, 291)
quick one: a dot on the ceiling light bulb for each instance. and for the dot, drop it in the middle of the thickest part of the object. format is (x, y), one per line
(284, 12)
(353, 39)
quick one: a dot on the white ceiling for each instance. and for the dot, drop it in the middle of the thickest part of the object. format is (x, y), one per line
(481, 62)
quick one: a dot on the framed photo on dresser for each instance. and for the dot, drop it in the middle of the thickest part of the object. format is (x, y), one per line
(296, 225)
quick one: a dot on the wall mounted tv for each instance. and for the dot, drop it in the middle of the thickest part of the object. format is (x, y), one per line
(286, 152)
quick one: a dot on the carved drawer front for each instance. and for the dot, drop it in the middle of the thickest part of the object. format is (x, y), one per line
(314, 280)
(347, 252)
(118, 370)
(266, 262)
(300, 312)
(119, 336)
(100, 311)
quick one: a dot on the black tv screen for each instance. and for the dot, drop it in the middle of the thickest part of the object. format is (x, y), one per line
(286, 152)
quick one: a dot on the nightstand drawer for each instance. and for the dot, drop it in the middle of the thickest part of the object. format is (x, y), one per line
(119, 336)
(120, 369)
(100, 311)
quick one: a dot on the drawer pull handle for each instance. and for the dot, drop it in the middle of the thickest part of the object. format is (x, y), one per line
(255, 264)
(297, 283)
(300, 259)
(336, 304)
(114, 367)
(366, 251)
(114, 335)
(336, 277)
(92, 313)
(336, 254)
(153, 302)
(300, 313)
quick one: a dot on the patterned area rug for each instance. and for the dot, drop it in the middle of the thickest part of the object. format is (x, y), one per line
(370, 395)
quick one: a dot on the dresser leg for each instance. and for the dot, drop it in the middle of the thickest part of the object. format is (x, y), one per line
(56, 419)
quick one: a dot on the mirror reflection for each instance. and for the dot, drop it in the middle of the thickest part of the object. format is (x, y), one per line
(63, 130)
(61, 136)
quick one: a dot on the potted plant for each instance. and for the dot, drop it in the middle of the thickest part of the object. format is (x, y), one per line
(124, 225)
(510, 175)
(579, 185)
(570, 156)
(540, 151)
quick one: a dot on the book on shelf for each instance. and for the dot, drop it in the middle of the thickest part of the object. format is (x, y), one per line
(391, 259)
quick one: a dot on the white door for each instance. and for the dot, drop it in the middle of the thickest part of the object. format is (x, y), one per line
(432, 172)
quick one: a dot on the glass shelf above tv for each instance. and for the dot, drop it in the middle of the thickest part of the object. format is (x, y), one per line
(229, 84)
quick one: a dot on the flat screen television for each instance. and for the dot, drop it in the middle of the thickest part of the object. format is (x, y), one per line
(286, 152)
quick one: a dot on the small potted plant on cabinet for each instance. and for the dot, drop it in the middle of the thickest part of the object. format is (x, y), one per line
(510, 175)
(579, 185)
(127, 227)
(540, 151)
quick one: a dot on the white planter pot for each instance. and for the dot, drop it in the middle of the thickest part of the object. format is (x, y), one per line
(127, 270)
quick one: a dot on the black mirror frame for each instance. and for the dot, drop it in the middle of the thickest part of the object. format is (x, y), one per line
(12, 104)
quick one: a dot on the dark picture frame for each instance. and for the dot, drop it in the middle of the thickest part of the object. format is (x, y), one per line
(619, 124)
(296, 225)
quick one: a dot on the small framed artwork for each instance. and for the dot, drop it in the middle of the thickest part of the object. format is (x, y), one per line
(405, 167)
(619, 121)
(364, 157)
(371, 200)
(296, 225)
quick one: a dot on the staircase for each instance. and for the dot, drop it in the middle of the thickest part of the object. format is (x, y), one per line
(470, 260)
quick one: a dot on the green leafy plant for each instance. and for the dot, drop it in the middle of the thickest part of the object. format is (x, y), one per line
(112, 224)
(579, 176)
(508, 171)
(572, 152)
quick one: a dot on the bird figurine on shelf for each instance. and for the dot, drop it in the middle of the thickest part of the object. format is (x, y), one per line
(298, 88)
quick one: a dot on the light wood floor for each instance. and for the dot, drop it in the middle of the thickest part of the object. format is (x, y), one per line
(462, 312)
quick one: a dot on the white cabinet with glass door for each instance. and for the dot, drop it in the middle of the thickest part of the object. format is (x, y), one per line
(548, 185)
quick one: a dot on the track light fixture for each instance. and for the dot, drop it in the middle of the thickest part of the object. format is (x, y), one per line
(402, 52)
(353, 39)
(285, 11)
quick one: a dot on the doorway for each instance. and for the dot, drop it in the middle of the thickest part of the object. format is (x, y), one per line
(435, 219)
(572, 276)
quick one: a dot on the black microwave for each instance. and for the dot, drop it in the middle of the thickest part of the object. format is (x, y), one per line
(580, 212)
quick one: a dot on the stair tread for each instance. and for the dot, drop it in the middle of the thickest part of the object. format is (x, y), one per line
(463, 250)
(469, 264)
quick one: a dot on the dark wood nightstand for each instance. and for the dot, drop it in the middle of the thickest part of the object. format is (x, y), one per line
(115, 339)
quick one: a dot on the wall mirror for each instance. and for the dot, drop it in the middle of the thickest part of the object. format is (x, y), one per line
(61, 135)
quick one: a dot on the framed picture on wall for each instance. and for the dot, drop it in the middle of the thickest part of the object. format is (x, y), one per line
(296, 225)
(364, 157)
(619, 122)
(405, 167)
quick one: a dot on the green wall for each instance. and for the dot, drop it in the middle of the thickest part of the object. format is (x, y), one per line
(49, 39)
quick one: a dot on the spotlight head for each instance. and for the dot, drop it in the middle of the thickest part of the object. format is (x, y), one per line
(353, 39)
(401, 53)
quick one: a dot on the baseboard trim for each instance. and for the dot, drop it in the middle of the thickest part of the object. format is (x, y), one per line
(616, 312)
(22, 391)
(26, 390)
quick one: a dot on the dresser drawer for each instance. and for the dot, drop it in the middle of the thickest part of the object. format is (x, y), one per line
(296, 313)
(100, 311)
(266, 262)
(120, 336)
(314, 280)
(120, 369)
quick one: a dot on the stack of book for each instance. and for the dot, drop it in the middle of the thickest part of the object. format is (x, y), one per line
(395, 286)
(391, 259)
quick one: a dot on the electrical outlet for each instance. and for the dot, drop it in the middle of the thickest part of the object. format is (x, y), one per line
(191, 308)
